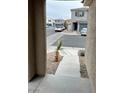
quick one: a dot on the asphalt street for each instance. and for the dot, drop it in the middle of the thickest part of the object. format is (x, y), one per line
(50, 31)
(72, 41)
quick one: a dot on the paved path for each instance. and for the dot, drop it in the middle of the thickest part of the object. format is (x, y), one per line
(69, 66)
(56, 84)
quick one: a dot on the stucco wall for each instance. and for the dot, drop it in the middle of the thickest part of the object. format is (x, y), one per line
(40, 36)
(36, 38)
(31, 41)
(91, 45)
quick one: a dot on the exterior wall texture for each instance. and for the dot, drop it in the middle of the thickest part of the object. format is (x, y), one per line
(36, 38)
(31, 41)
(91, 43)
(40, 36)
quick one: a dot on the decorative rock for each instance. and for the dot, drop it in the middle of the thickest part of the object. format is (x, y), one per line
(81, 52)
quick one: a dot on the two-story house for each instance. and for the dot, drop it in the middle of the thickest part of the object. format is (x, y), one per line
(50, 22)
(59, 22)
(79, 18)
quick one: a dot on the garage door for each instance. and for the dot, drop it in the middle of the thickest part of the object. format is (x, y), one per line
(82, 25)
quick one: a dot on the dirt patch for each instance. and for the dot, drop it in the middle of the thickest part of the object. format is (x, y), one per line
(51, 64)
(83, 69)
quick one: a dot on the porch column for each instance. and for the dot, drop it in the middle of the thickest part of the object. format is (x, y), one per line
(31, 41)
(40, 36)
(37, 38)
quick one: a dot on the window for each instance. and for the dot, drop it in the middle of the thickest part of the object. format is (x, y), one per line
(76, 14)
(49, 24)
(81, 14)
(56, 20)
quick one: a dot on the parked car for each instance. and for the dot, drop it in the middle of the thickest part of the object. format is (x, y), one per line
(83, 32)
(58, 29)
(63, 28)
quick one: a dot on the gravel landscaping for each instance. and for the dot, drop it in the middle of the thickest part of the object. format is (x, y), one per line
(83, 69)
(51, 64)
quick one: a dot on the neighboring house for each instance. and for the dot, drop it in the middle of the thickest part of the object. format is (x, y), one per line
(79, 18)
(50, 22)
(59, 22)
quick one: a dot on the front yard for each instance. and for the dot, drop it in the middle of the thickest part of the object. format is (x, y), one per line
(51, 64)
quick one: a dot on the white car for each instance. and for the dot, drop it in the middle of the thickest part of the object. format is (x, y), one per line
(84, 32)
(63, 28)
(58, 29)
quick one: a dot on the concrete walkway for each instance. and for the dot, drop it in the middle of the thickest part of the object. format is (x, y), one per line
(69, 66)
(56, 84)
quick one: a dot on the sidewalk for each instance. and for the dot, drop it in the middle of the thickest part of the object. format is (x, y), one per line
(69, 66)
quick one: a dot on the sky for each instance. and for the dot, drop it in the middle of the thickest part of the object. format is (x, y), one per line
(61, 9)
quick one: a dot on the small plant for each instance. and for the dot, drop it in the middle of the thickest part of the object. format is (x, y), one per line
(57, 50)
(59, 45)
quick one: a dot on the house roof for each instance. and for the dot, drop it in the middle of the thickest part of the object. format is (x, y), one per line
(82, 8)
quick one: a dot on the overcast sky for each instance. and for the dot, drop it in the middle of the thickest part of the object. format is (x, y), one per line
(61, 9)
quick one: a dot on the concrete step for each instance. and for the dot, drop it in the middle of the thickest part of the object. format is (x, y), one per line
(56, 84)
